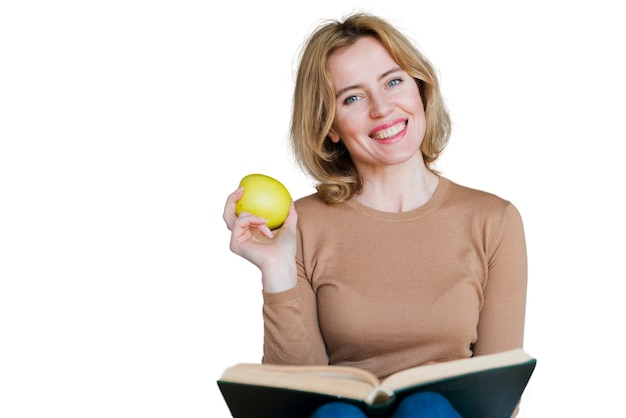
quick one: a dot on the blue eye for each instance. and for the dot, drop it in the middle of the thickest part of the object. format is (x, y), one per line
(351, 99)
(394, 82)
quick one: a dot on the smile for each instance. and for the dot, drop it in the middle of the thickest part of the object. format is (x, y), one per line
(389, 132)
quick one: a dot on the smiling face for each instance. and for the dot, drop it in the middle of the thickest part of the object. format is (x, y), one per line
(379, 112)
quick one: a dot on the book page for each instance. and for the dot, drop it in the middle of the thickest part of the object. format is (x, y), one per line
(436, 371)
(336, 380)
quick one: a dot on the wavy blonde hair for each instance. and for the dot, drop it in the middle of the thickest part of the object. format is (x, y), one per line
(313, 110)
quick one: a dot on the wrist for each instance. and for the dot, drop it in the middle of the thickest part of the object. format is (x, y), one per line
(278, 277)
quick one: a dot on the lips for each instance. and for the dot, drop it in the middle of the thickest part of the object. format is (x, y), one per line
(389, 132)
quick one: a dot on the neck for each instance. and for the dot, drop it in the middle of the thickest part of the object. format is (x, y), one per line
(398, 193)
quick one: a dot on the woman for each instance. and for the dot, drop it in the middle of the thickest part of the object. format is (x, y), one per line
(389, 265)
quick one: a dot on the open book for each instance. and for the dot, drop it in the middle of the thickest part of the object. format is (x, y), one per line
(477, 387)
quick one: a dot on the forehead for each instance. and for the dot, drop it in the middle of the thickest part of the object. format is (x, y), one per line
(366, 56)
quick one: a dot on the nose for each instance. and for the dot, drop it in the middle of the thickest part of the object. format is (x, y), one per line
(379, 106)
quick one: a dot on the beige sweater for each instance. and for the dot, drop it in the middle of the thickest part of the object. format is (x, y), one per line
(387, 291)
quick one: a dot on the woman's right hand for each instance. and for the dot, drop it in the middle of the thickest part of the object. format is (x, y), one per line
(273, 252)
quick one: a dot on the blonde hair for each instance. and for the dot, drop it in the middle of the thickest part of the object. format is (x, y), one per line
(313, 108)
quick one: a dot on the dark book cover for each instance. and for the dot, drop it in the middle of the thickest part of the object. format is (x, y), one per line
(492, 393)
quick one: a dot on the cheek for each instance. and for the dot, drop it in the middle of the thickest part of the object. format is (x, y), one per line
(347, 123)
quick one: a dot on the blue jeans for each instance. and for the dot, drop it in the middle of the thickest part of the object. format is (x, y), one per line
(418, 405)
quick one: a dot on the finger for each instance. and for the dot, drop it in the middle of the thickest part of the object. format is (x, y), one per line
(246, 228)
(252, 221)
(246, 219)
(230, 207)
(247, 222)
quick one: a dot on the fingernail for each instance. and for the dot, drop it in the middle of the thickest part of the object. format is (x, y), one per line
(267, 231)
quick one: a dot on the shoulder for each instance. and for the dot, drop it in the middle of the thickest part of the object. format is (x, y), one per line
(480, 204)
(310, 206)
(313, 206)
(313, 212)
(475, 198)
(311, 201)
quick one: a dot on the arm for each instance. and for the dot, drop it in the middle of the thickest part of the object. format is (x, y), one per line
(501, 322)
(291, 331)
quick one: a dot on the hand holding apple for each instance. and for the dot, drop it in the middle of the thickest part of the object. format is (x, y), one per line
(266, 197)
(269, 205)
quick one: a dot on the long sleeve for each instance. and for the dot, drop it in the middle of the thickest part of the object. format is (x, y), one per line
(291, 329)
(501, 323)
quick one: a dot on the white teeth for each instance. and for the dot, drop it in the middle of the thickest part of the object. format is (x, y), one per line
(389, 132)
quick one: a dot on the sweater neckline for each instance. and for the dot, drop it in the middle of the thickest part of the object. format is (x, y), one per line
(432, 203)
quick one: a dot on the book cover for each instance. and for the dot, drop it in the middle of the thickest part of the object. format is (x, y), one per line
(476, 389)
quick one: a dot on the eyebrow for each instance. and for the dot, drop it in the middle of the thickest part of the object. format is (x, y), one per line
(356, 86)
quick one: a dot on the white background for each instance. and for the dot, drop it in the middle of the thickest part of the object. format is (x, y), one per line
(125, 124)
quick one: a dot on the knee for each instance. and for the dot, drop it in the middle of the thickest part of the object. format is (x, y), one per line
(423, 399)
(425, 404)
(338, 410)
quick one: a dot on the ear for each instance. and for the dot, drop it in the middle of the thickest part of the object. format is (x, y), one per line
(334, 136)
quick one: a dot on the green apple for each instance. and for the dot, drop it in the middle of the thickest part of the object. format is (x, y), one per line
(266, 197)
